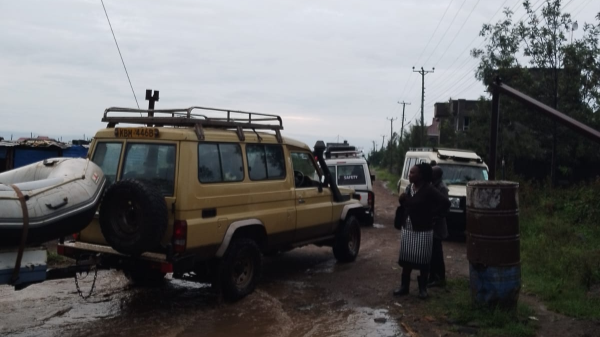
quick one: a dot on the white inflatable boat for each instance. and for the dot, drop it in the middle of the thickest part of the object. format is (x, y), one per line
(55, 197)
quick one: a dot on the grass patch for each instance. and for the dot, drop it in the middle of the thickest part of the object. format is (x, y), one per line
(560, 245)
(560, 252)
(455, 304)
(385, 176)
(54, 258)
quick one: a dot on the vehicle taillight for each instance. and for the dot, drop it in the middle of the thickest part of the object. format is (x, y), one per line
(370, 199)
(179, 236)
(75, 236)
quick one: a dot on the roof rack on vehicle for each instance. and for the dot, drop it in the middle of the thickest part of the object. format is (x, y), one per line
(344, 154)
(225, 119)
(422, 149)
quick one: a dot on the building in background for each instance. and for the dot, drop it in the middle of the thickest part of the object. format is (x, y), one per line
(458, 111)
(25, 151)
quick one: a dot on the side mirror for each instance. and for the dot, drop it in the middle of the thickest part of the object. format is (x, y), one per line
(372, 177)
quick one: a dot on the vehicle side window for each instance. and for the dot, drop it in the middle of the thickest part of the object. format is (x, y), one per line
(275, 162)
(209, 164)
(153, 164)
(332, 170)
(107, 155)
(305, 171)
(220, 162)
(265, 161)
(410, 162)
(231, 162)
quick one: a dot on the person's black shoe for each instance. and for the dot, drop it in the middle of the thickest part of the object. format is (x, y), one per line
(403, 290)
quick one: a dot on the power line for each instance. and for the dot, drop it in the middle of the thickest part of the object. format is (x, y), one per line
(582, 8)
(434, 31)
(114, 37)
(458, 32)
(565, 5)
(476, 61)
(445, 32)
(427, 45)
(461, 66)
(533, 10)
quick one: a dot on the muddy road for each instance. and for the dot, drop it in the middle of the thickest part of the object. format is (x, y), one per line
(302, 293)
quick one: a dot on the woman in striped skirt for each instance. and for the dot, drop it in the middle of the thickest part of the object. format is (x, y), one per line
(422, 203)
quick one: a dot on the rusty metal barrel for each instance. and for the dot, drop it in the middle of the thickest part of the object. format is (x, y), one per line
(493, 243)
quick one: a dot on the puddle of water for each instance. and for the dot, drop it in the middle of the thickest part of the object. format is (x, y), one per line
(376, 225)
(264, 315)
(349, 322)
(327, 267)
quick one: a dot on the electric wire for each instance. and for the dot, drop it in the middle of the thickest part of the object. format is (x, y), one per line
(457, 32)
(445, 32)
(565, 5)
(585, 4)
(435, 30)
(461, 66)
(476, 62)
(427, 45)
(120, 55)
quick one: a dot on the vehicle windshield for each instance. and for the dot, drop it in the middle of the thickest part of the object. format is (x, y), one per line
(461, 174)
(348, 175)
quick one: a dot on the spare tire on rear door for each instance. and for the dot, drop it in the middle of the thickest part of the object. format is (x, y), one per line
(133, 217)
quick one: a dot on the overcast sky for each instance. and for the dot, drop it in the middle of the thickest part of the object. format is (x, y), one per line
(330, 68)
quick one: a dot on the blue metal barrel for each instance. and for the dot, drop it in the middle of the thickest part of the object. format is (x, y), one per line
(493, 245)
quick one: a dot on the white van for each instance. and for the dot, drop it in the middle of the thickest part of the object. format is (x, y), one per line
(351, 170)
(459, 167)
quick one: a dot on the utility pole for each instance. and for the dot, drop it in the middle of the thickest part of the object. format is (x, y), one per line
(382, 141)
(423, 72)
(391, 128)
(403, 107)
(390, 148)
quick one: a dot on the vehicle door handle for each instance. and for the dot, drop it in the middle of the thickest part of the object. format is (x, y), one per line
(301, 201)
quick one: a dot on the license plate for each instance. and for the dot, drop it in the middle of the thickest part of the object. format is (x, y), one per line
(136, 132)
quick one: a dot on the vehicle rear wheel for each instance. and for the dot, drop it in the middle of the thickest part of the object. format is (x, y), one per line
(240, 269)
(133, 217)
(347, 241)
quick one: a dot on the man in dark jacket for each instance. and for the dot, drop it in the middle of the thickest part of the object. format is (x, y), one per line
(437, 275)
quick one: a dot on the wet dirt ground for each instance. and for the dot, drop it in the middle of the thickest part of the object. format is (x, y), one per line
(303, 292)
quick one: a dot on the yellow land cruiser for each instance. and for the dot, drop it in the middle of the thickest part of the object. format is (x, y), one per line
(202, 193)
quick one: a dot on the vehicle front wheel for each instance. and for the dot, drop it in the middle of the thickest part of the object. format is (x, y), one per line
(240, 269)
(347, 241)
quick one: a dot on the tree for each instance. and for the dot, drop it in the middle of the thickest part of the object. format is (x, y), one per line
(560, 74)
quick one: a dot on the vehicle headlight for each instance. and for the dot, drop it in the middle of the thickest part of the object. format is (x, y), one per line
(454, 202)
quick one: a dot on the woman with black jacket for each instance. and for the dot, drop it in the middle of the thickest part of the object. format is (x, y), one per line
(422, 203)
